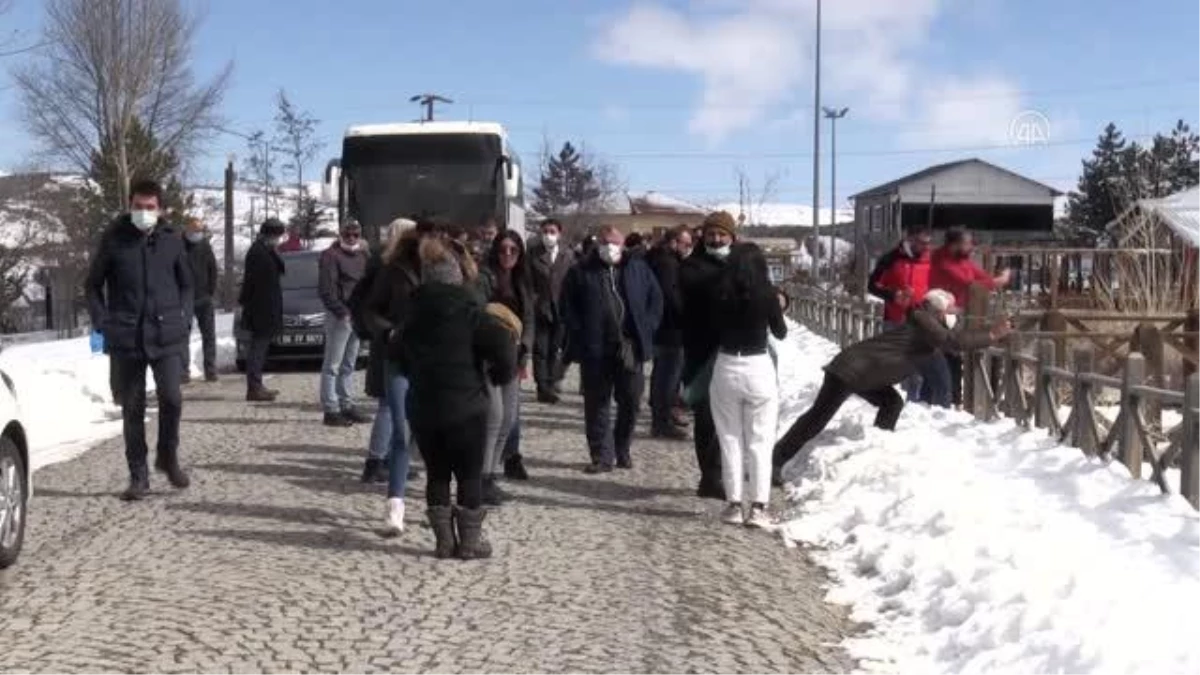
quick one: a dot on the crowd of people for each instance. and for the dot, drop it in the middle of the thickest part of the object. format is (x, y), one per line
(457, 319)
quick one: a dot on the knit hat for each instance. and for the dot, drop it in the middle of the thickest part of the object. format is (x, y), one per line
(720, 220)
(506, 317)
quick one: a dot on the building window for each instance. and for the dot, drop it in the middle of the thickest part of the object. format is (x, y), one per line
(877, 218)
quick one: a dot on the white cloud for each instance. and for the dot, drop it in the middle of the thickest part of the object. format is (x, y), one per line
(754, 60)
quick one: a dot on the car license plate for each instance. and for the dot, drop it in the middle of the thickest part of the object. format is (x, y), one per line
(300, 339)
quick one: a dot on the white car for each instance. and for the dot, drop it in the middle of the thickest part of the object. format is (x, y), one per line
(15, 481)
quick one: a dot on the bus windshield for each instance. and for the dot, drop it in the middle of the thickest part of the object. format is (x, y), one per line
(447, 176)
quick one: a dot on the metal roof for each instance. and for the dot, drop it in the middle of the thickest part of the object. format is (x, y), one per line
(1180, 212)
(939, 168)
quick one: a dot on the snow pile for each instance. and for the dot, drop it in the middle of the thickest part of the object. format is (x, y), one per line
(655, 202)
(63, 390)
(976, 547)
(802, 257)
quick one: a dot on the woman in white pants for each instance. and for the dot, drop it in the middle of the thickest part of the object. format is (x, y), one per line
(744, 391)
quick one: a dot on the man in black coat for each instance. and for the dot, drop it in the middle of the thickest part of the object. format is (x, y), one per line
(139, 291)
(665, 259)
(698, 278)
(204, 280)
(871, 369)
(612, 306)
(262, 304)
(549, 262)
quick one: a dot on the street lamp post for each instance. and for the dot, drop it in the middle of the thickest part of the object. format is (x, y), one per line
(816, 188)
(834, 114)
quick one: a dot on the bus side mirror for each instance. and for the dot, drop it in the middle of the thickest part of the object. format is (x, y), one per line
(333, 175)
(512, 181)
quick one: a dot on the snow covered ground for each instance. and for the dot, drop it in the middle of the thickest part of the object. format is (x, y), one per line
(64, 395)
(974, 547)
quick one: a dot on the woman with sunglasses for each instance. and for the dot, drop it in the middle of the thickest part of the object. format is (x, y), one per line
(505, 279)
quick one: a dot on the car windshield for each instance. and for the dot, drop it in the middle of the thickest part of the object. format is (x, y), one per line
(300, 272)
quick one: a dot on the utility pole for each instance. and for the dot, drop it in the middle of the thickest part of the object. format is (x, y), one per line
(816, 179)
(426, 101)
(834, 115)
(227, 287)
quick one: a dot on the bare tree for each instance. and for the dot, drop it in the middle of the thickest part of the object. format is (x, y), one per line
(259, 169)
(107, 63)
(750, 202)
(14, 42)
(297, 133)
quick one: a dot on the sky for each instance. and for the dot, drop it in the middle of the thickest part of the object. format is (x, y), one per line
(680, 95)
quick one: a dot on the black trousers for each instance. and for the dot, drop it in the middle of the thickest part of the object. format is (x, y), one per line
(664, 384)
(453, 451)
(131, 379)
(604, 381)
(207, 324)
(548, 342)
(955, 362)
(708, 448)
(830, 398)
(256, 360)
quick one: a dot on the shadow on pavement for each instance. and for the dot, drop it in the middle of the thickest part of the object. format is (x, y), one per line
(633, 511)
(328, 540)
(276, 470)
(235, 421)
(52, 493)
(286, 514)
(304, 449)
(599, 487)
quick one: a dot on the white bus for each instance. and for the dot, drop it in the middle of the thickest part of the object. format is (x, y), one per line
(462, 173)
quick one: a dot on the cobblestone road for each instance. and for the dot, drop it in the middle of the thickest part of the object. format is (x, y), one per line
(271, 562)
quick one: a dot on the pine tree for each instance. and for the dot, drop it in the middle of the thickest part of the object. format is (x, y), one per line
(146, 162)
(567, 184)
(1184, 159)
(309, 216)
(1096, 200)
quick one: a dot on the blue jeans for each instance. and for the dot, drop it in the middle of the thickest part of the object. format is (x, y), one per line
(396, 391)
(664, 384)
(337, 370)
(512, 445)
(936, 387)
(381, 432)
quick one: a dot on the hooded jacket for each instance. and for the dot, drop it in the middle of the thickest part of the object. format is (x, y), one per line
(900, 270)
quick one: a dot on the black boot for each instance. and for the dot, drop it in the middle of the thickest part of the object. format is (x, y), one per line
(471, 544)
(514, 468)
(139, 487)
(175, 474)
(375, 471)
(711, 489)
(441, 521)
(492, 494)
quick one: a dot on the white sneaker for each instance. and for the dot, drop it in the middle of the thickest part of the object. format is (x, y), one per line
(759, 517)
(732, 514)
(395, 516)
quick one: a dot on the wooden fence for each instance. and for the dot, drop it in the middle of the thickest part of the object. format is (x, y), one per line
(996, 381)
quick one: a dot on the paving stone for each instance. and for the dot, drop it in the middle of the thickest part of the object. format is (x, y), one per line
(271, 562)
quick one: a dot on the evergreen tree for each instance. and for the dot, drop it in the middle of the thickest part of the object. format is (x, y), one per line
(1184, 159)
(567, 184)
(1095, 202)
(309, 217)
(146, 161)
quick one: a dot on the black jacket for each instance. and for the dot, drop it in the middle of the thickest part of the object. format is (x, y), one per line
(743, 322)
(584, 306)
(699, 275)
(893, 355)
(376, 359)
(548, 280)
(262, 290)
(444, 348)
(524, 310)
(666, 264)
(339, 271)
(388, 303)
(204, 270)
(139, 291)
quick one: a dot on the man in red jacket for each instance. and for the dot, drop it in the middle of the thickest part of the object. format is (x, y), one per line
(901, 280)
(952, 268)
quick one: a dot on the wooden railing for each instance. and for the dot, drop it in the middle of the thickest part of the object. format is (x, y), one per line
(996, 382)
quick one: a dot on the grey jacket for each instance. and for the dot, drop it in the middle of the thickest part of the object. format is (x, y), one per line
(340, 271)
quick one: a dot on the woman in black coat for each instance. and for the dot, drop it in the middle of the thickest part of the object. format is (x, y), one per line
(505, 279)
(261, 300)
(446, 336)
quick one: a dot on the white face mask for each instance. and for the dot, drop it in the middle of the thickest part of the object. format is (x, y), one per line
(551, 240)
(951, 321)
(720, 252)
(195, 237)
(144, 219)
(610, 253)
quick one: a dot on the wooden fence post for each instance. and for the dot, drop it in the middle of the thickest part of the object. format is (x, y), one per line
(1129, 441)
(1189, 460)
(1190, 343)
(976, 317)
(1011, 383)
(1043, 402)
(1084, 432)
(1148, 341)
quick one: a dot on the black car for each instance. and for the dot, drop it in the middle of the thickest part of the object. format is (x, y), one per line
(303, 334)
